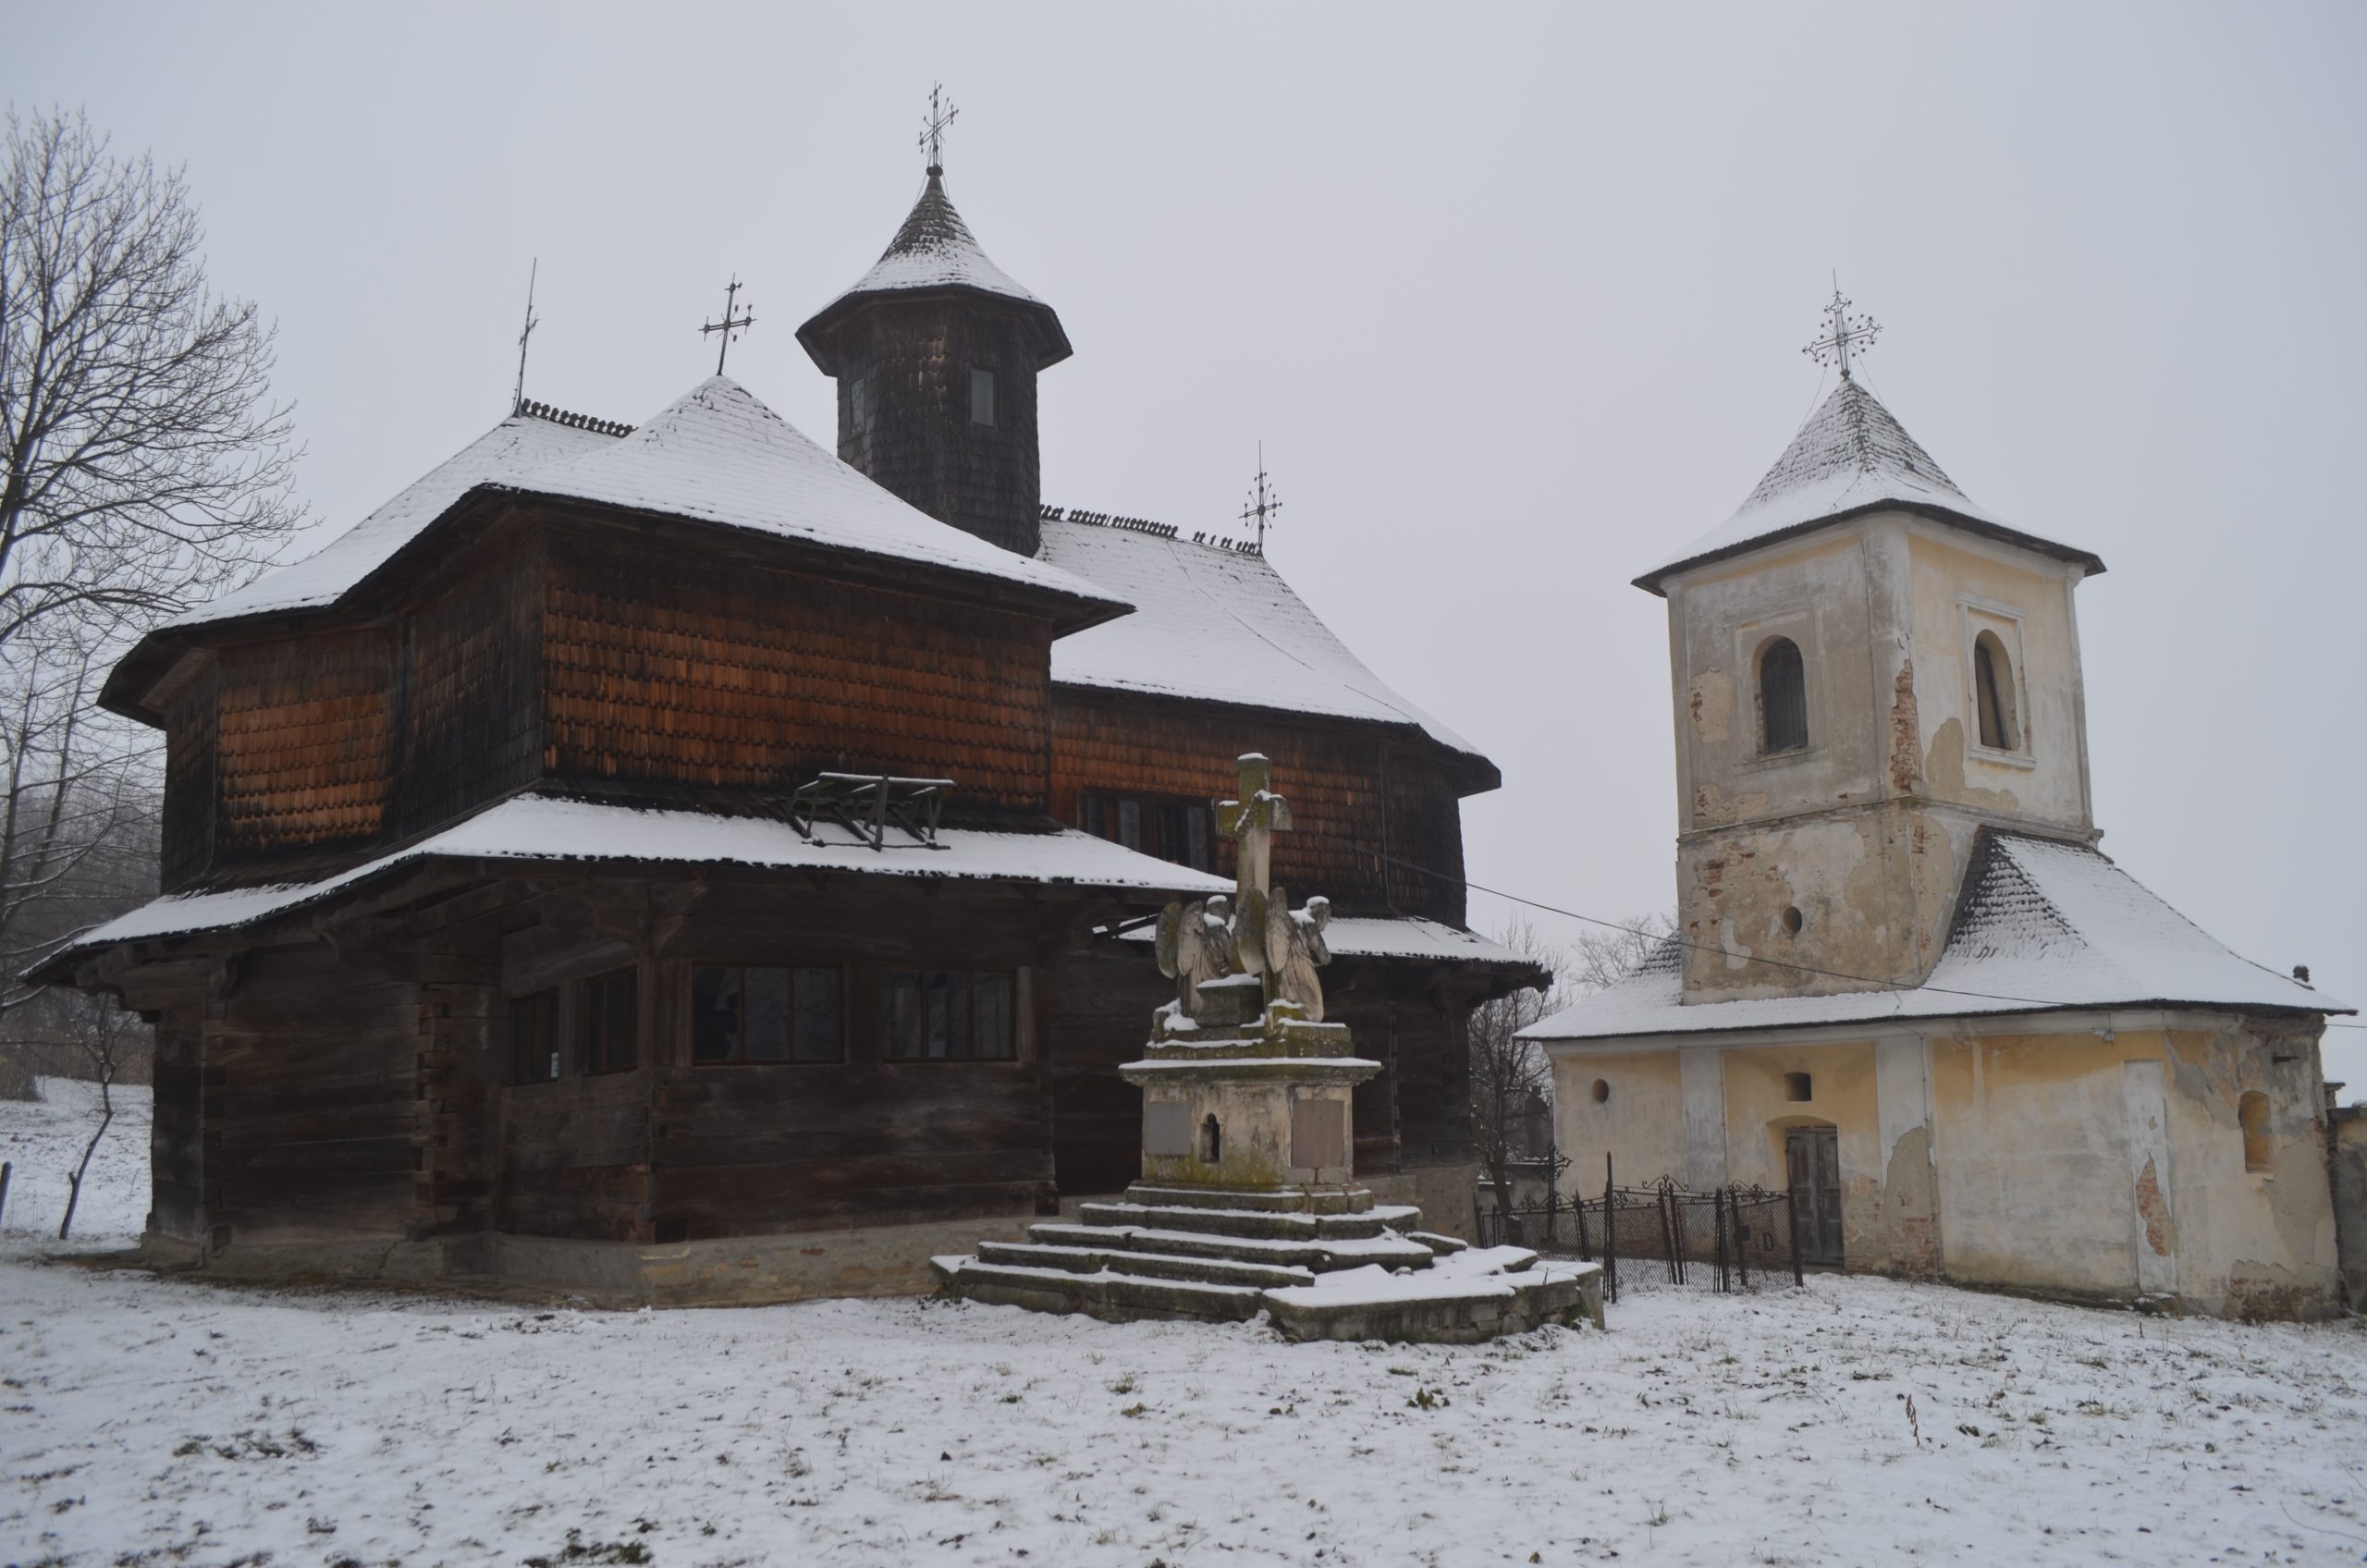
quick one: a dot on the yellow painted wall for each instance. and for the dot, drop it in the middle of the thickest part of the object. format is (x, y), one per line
(1641, 1126)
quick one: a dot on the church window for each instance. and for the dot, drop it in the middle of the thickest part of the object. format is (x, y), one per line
(859, 406)
(1783, 698)
(764, 1013)
(1601, 1094)
(1992, 690)
(1798, 1086)
(533, 1038)
(947, 1015)
(982, 397)
(608, 1022)
(2252, 1113)
(1179, 832)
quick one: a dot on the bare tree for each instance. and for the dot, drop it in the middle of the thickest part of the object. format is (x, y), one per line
(146, 467)
(106, 1031)
(1512, 1084)
(1607, 954)
(142, 469)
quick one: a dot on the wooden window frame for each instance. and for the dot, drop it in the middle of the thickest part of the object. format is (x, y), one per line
(983, 380)
(549, 1050)
(1016, 1000)
(595, 1053)
(1102, 813)
(690, 1015)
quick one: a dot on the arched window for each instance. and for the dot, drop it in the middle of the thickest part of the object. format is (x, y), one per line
(1993, 693)
(2251, 1112)
(1783, 698)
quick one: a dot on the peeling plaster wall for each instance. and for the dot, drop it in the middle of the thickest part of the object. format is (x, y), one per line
(2054, 1174)
(1960, 588)
(2347, 1132)
(1865, 832)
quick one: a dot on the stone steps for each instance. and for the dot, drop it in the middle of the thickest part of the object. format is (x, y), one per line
(1261, 1224)
(1320, 1254)
(1118, 1297)
(1278, 1200)
(1152, 1265)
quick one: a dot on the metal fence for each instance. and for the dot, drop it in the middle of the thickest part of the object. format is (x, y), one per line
(1734, 1238)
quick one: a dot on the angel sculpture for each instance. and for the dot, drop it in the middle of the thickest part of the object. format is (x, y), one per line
(1195, 947)
(1295, 947)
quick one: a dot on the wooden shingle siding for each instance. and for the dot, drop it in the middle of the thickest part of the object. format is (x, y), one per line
(302, 758)
(917, 439)
(715, 672)
(471, 725)
(187, 828)
(1332, 772)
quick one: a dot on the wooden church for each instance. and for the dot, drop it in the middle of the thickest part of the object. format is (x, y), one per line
(674, 862)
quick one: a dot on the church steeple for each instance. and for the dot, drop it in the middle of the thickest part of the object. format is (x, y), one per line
(935, 351)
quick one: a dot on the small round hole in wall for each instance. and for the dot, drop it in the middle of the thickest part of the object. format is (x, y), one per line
(1602, 1090)
(1791, 920)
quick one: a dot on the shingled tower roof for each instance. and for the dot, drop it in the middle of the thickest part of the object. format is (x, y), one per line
(933, 252)
(1852, 457)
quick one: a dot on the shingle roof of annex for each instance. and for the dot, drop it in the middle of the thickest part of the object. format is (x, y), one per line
(2042, 926)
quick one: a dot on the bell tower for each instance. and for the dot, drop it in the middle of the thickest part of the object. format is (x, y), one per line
(936, 351)
(1866, 667)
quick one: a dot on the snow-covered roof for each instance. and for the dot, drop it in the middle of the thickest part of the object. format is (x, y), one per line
(716, 454)
(1851, 456)
(719, 455)
(517, 445)
(1400, 935)
(2043, 924)
(934, 251)
(542, 828)
(1215, 625)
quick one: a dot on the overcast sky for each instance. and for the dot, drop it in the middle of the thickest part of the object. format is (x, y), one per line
(1513, 296)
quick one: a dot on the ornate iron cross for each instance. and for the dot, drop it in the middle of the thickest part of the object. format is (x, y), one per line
(1844, 333)
(941, 114)
(731, 324)
(1263, 502)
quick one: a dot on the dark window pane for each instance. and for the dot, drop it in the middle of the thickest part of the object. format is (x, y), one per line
(1783, 697)
(982, 397)
(1096, 819)
(1195, 822)
(817, 1015)
(611, 1021)
(907, 1016)
(766, 1036)
(534, 1026)
(991, 999)
(1130, 824)
(715, 1013)
(948, 1008)
(1171, 832)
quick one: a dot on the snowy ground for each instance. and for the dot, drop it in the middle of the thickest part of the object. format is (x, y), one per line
(42, 1140)
(148, 1421)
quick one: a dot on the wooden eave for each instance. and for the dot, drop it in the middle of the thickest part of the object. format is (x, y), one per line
(136, 686)
(820, 335)
(1475, 775)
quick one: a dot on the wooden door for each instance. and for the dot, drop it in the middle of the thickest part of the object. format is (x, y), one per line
(1812, 1161)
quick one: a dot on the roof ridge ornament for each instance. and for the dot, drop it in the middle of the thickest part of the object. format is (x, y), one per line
(1844, 333)
(942, 116)
(1264, 502)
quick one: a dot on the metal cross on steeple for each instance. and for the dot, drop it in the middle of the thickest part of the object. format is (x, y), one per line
(941, 114)
(1263, 502)
(731, 324)
(1844, 333)
(518, 399)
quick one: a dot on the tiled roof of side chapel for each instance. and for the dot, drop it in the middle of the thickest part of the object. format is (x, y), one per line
(1852, 457)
